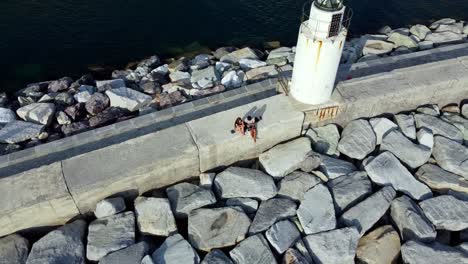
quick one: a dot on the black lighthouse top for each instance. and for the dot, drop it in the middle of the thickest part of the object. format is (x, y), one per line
(329, 5)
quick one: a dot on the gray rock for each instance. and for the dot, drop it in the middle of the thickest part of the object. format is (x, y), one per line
(406, 125)
(64, 245)
(325, 139)
(236, 56)
(349, 189)
(60, 85)
(441, 180)
(19, 131)
(97, 103)
(82, 97)
(186, 197)
(233, 79)
(205, 78)
(13, 249)
(381, 126)
(216, 257)
(154, 216)
(285, 158)
(401, 40)
(414, 252)
(147, 260)
(444, 37)
(180, 77)
(249, 205)
(301, 248)
(292, 256)
(237, 182)
(336, 246)
(439, 127)
(377, 47)
(253, 250)
(446, 212)
(464, 110)
(420, 31)
(132, 254)
(108, 116)
(296, 184)
(382, 245)
(110, 84)
(411, 221)
(443, 21)
(40, 113)
(451, 156)
(357, 139)
(6, 116)
(404, 31)
(64, 99)
(109, 234)
(334, 168)
(217, 228)
(404, 149)
(426, 138)
(311, 162)
(366, 213)
(175, 250)
(432, 110)
(75, 128)
(282, 235)
(316, 212)
(206, 180)
(425, 45)
(247, 64)
(261, 73)
(110, 206)
(459, 122)
(270, 212)
(128, 99)
(386, 169)
(62, 118)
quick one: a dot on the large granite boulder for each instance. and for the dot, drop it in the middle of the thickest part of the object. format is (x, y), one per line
(233, 79)
(216, 256)
(282, 235)
(285, 158)
(406, 125)
(334, 168)
(301, 247)
(6, 115)
(381, 126)
(110, 206)
(420, 31)
(366, 213)
(441, 180)
(261, 73)
(63, 245)
(316, 212)
(108, 116)
(404, 149)
(377, 47)
(186, 197)
(458, 121)
(236, 182)
(439, 127)
(380, 246)
(444, 37)
(248, 64)
(237, 55)
(271, 211)
(128, 99)
(205, 78)
(254, 249)
(217, 228)
(110, 84)
(446, 212)
(336, 246)
(249, 205)
(109, 234)
(97, 103)
(311, 162)
(401, 40)
(443, 21)
(175, 250)
(40, 113)
(154, 216)
(426, 138)
(19, 131)
(451, 156)
(386, 169)
(296, 184)
(349, 189)
(60, 85)
(13, 249)
(414, 252)
(131, 254)
(325, 139)
(411, 221)
(357, 139)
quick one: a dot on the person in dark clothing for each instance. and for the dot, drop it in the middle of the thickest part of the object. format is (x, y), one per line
(240, 126)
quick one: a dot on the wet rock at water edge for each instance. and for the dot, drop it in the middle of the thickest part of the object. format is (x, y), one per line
(335, 246)
(254, 249)
(109, 234)
(40, 113)
(236, 182)
(185, 197)
(366, 213)
(64, 245)
(271, 211)
(175, 250)
(110, 206)
(285, 158)
(217, 228)
(411, 221)
(316, 212)
(19, 131)
(237, 55)
(154, 216)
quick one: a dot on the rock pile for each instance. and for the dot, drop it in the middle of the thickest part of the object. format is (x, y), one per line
(365, 200)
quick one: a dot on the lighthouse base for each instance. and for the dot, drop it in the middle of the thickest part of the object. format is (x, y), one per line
(315, 66)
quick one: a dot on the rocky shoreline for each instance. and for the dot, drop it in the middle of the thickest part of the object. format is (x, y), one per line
(382, 190)
(47, 111)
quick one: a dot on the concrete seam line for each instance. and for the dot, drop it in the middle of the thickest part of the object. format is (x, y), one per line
(192, 136)
(68, 189)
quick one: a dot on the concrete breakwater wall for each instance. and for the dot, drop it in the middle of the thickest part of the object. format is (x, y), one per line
(55, 192)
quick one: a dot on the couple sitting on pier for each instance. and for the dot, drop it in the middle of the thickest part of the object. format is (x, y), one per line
(249, 125)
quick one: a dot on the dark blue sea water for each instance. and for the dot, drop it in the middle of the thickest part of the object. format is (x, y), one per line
(45, 39)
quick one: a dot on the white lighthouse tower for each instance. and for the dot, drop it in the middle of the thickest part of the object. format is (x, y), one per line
(318, 51)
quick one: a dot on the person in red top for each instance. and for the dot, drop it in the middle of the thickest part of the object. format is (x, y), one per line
(239, 126)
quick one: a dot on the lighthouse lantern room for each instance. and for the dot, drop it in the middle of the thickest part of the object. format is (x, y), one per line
(318, 52)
